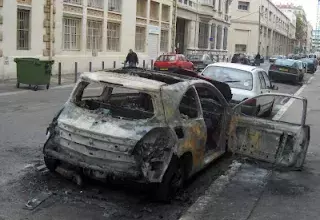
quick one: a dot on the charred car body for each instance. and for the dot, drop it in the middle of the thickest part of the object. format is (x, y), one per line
(158, 128)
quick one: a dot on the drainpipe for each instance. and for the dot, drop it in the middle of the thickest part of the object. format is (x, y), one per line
(51, 30)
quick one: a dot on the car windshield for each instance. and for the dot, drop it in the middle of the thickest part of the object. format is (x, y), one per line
(285, 62)
(195, 57)
(167, 58)
(236, 78)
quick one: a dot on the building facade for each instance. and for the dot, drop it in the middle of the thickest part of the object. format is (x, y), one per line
(274, 36)
(83, 31)
(302, 29)
(316, 40)
(202, 26)
(309, 38)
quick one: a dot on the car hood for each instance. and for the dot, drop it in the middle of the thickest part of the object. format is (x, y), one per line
(238, 95)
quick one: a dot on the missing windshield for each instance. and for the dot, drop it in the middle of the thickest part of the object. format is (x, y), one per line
(114, 102)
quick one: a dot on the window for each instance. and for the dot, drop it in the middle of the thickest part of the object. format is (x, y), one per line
(114, 5)
(267, 80)
(225, 38)
(226, 8)
(95, 3)
(243, 5)
(262, 81)
(113, 36)
(76, 2)
(219, 5)
(23, 29)
(189, 107)
(219, 37)
(94, 35)
(213, 36)
(71, 33)
(240, 48)
(166, 58)
(142, 8)
(154, 10)
(164, 42)
(266, 13)
(114, 103)
(165, 13)
(140, 39)
(203, 35)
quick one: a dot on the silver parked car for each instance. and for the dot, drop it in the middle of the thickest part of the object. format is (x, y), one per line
(200, 61)
(245, 82)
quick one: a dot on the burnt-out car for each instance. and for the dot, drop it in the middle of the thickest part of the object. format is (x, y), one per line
(160, 129)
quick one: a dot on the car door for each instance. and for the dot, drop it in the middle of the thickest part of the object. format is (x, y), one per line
(190, 128)
(271, 140)
(264, 103)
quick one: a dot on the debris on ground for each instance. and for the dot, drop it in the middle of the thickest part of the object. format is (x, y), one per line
(36, 201)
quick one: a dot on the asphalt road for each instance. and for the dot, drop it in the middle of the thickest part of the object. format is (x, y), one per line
(24, 118)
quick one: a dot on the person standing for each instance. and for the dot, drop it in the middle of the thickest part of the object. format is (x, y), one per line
(132, 59)
(257, 59)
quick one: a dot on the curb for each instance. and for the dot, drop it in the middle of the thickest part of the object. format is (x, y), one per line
(195, 211)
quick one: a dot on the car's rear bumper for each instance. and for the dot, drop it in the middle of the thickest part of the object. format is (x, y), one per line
(105, 167)
(171, 69)
(281, 76)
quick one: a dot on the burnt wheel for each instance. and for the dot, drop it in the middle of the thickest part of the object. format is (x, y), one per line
(51, 163)
(172, 181)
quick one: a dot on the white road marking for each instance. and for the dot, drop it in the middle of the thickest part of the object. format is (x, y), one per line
(289, 103)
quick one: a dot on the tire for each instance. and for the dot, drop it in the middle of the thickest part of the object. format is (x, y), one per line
(48, 86)
(35, 88)
(51, 163)
(172, 181)
(18, 85)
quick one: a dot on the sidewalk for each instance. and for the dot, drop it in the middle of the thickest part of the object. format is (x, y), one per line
(10, 85)
(255, 193)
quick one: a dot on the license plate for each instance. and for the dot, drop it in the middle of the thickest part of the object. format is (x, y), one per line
(163, 68)
(283, 69)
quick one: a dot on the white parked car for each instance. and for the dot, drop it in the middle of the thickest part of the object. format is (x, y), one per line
(245, 82)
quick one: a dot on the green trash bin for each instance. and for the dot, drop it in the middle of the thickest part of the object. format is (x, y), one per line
(33, 72)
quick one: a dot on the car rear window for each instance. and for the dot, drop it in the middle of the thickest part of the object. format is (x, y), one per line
(285, 62)
(194, 57)
(114, 102)
(167, 58)
(236, 78)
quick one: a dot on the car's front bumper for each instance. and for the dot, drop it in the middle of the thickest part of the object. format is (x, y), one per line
(281, 76)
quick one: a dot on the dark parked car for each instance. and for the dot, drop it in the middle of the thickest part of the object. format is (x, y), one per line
(312, 64)
(240, 58)
(274, 58)
(200, 61)
(287, 70)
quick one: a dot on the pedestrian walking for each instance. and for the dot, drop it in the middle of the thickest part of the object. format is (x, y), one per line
(257, 59)
(132, 59)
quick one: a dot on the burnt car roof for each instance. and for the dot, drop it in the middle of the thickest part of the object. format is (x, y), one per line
(169, 78)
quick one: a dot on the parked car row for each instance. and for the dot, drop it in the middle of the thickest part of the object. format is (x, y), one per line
(171, 62)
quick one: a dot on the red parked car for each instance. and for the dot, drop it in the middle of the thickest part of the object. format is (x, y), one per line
(172, 62)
